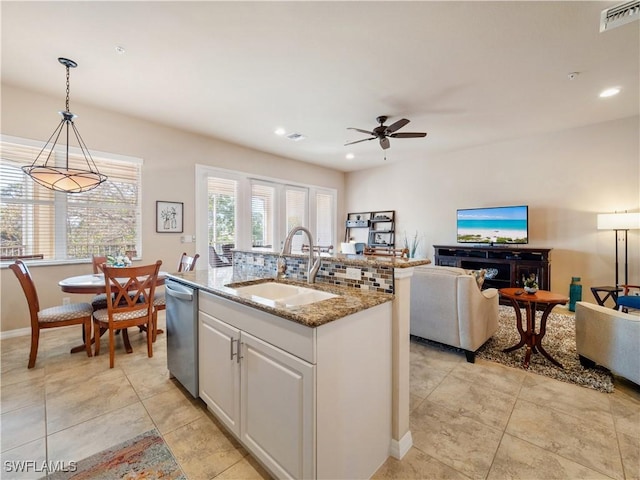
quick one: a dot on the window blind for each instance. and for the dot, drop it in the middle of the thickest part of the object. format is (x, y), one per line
(53, 226)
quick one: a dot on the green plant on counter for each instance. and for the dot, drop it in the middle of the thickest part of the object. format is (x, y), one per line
(413, 245)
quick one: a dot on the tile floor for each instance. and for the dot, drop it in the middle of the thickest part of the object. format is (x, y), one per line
(469, 421)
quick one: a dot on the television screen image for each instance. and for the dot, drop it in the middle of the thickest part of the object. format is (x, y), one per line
(496, 225)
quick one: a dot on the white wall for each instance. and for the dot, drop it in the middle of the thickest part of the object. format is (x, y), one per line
(168, 174)
(566, 178)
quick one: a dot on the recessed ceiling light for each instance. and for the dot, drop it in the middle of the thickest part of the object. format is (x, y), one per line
(349, 156)
(280, 131)
(610, 92)
(120, 50)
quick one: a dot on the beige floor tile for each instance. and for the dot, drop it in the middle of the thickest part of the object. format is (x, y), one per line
(422, 380)
(77, 402)
(20, 373)
(568, 398)
(203, 448)
(99, 433)
(461, 443)
(23, 394)
(626, 414)
(173, 409)
(630, 453)
(475, 401)
(150, 380)
(576, 438)
(519, 459)
(25, 462)
(417, 465)
(21, 426)
(491, 375)
(245, 469)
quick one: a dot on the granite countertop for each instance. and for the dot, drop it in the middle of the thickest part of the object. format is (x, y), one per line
(220, 281)
(354, 260)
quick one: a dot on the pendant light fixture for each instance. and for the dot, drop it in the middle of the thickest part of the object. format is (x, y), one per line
(63, 178)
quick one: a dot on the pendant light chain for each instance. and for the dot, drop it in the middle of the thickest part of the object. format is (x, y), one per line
(67, 102)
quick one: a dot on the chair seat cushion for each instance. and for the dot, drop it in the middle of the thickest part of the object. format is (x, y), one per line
(159, 300)
(65, 312)
(103, 315)
(629, 301)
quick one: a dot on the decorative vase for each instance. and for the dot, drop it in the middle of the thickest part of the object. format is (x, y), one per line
(575, 293)
(530, 289)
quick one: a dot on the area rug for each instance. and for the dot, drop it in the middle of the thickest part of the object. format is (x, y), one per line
(146, 457)
(559, 342)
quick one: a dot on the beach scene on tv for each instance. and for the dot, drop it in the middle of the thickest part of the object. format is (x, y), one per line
(498, 225)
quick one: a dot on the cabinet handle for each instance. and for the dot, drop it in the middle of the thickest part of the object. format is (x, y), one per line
(238, 356)
(231, 344)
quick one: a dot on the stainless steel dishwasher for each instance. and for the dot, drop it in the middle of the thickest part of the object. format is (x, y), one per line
(182, 334)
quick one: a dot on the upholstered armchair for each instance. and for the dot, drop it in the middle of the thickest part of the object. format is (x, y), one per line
(447, 306)
(609, 338)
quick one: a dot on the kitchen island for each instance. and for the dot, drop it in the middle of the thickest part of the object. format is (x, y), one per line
(307, 389)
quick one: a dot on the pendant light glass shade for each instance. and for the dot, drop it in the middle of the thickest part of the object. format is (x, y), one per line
(63, 178)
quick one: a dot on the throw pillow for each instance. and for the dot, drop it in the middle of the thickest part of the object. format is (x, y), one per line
(478, 275)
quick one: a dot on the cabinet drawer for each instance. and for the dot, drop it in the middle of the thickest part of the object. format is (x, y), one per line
(295, 338)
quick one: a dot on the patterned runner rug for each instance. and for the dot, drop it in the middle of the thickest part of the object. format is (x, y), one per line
(559, 342)
(143, 457)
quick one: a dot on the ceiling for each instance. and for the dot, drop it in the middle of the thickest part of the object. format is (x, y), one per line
(468, 73)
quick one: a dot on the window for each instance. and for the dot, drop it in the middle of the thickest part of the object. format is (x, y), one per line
(41, 224)
(221, 227)
(265, 210)
(262, 214)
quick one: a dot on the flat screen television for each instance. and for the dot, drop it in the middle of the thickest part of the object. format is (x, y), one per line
(495, 225)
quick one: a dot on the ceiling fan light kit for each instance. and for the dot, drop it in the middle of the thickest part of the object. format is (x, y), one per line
(63, 178)
(383, 132)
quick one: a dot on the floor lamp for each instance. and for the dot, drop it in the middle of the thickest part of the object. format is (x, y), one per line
(620, 222)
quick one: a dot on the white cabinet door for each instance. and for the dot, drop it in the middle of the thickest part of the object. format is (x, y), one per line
(278, 408)
(219, 373)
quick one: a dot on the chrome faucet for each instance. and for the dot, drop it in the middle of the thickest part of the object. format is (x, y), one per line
(312, 268)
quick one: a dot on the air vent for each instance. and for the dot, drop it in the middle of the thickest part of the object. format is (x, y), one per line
(619, 15)
(296, 137)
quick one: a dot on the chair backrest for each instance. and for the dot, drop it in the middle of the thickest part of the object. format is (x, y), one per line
(29, 288)
(216, 260)
(130, 290)
(187, 263)
(97, 261)
(386, 252)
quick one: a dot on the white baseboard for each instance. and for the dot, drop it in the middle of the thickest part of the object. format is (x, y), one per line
(16, 332)
(400, 448)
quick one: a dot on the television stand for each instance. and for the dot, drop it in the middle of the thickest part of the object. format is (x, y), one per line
(507, 264)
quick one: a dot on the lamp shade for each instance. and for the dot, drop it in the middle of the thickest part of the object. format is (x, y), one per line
(618, 221)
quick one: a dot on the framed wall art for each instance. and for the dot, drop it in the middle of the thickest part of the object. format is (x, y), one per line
(169, 217)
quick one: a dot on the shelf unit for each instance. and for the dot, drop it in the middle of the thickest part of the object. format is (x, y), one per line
(375, 228)
(511, 263)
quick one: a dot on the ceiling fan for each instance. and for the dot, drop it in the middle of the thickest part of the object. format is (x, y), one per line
(383, 133)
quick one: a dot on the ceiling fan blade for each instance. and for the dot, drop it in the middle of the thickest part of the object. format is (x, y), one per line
(408, 135)
(384, 143)
(361, 131)
(396, 126)
(358, 141)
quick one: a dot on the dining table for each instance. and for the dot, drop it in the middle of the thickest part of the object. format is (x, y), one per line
(94, 284)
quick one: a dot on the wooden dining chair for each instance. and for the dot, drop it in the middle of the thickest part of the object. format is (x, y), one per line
(99, 301)
(186, 264)
(60, 316)
(130, 293)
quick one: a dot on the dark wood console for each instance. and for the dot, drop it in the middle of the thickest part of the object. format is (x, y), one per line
(511, 263)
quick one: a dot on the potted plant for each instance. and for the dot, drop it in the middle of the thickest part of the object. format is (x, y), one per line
(530, 283)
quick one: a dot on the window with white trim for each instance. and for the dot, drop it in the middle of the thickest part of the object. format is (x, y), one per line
(266, 210)
(43, 225)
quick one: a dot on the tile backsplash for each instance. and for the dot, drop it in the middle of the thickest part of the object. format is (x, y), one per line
(332, 270)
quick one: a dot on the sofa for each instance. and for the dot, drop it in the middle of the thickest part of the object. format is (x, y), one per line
(609, 338)
(448, 307)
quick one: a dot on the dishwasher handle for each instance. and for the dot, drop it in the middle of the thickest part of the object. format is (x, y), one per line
(186, 294)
